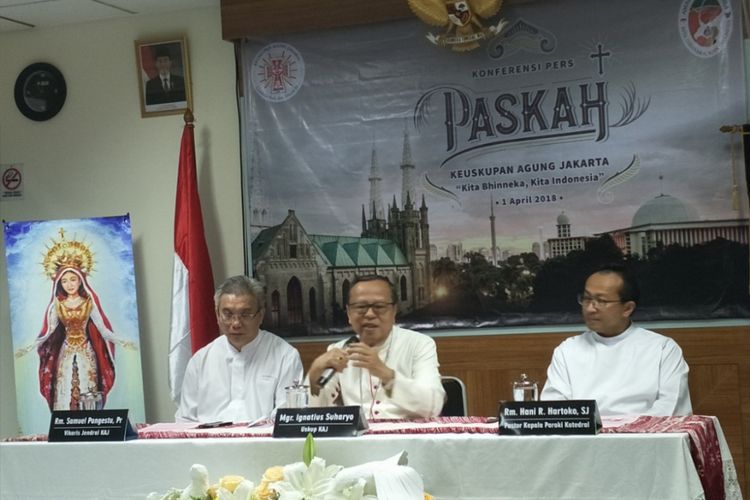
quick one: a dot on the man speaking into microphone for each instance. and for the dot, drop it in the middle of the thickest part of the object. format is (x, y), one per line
(391, 372)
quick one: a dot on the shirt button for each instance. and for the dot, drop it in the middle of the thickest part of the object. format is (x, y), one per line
(376, 412)
(375, 386)
(377, 402)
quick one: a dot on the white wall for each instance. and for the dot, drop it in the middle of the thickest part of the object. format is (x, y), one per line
(98, 157)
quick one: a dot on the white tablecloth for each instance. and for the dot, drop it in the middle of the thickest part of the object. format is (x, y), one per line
(453, 466)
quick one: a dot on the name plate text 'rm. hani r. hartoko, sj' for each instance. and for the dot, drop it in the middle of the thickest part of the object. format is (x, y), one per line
(528, 418)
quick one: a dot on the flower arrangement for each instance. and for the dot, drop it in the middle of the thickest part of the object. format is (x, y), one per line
(310, 479)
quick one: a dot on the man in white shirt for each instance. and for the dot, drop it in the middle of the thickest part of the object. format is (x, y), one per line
(241, 375)
(390, 371)
(628, 370)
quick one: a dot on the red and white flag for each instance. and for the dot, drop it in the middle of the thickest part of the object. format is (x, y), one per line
(193, 320)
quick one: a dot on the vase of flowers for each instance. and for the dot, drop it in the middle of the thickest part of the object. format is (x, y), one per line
(310, 479)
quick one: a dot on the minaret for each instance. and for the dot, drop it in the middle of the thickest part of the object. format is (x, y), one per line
(407, 171)
(376, 200)
(563, 225)
(492, 231)
(541, 244)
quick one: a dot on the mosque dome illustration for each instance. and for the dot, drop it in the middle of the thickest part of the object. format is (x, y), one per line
(664, 209)
(562, 219)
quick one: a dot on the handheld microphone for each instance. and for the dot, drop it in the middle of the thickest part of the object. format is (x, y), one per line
(328, 373)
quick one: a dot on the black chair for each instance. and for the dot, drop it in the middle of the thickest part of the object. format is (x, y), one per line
(455, 397)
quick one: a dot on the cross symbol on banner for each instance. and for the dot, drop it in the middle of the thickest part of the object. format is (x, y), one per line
(600, 55)
(278, 71)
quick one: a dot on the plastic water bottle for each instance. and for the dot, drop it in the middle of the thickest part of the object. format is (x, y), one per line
(525, 389)
(296, 395)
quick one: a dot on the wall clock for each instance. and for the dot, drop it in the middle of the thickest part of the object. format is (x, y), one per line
(40, 91)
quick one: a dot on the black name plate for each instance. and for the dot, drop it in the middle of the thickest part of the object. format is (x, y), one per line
(90, 425)
(526, 418)
(320, 422)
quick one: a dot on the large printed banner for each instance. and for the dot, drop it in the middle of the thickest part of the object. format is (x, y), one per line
(487, 183)
(74, 318)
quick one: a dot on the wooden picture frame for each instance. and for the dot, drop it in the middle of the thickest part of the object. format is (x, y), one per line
(163, 76)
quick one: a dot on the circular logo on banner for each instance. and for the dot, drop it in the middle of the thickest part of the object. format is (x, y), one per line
(277, 72)
(705, 26)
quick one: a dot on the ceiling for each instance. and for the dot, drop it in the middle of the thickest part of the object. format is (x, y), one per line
(18, 15)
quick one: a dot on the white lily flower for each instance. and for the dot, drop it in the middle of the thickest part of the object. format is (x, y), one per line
(354, 491)
(307, 483)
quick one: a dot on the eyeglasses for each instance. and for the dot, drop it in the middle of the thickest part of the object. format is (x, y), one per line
(242, 317)
(361, 309)
(598, 303)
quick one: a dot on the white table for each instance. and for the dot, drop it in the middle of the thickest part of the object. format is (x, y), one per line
(453, 466)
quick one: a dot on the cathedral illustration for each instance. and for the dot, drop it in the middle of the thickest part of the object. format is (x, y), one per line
(308, 276)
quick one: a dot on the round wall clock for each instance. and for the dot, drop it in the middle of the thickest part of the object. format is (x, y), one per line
(40, 91)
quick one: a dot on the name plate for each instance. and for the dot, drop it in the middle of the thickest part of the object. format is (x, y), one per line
(527, 418)
(90, 425)
(333, 421)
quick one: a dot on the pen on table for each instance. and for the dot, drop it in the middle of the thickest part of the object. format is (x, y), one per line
(211, 425)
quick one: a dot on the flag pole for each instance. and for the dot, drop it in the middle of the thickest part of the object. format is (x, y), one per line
(193, 322)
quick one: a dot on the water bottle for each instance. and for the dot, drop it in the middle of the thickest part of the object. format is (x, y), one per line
(296, 395)
(525, 389)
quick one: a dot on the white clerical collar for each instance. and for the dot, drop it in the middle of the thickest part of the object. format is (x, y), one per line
(246, 349)
(616, 339)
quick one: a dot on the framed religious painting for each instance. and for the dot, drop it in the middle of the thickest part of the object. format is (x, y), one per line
(163, 76)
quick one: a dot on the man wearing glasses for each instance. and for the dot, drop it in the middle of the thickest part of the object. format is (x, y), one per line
(241, 375)
(628, 370)
(390, 371)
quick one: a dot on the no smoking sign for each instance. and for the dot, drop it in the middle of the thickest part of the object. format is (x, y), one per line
(11, 177)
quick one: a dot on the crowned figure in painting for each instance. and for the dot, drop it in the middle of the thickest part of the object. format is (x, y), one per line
(76, 342)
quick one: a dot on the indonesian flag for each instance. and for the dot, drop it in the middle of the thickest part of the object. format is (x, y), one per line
(193, 321)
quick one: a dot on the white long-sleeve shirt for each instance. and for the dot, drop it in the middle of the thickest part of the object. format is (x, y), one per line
(416, 390)
(638, 372)
(223, 384)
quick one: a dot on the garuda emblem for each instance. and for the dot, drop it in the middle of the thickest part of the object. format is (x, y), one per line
(461, 20)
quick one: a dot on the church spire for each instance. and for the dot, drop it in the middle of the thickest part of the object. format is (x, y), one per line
(259, 208)
(407, 169)
(376, 199)
(364, 220)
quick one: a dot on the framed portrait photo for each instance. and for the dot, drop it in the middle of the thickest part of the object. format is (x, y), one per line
(163, 76)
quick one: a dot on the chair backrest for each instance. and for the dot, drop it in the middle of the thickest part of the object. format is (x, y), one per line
(455, 397)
